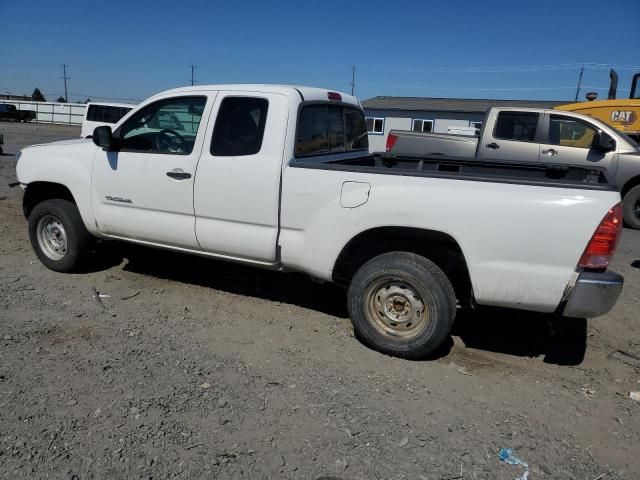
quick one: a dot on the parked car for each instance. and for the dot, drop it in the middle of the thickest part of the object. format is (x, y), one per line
(8, 111)
(281, 178)
(537, 135)
(98, 114)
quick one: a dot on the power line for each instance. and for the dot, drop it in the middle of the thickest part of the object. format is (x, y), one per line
(505, 68)
(64, 76)
(498, 89)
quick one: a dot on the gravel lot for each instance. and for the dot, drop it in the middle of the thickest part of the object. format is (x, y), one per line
(200, 369)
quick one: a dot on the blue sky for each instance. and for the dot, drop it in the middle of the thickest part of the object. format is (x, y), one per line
(475, 49)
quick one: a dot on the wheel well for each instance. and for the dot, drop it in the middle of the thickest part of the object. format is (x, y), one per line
(629, 185)
(440, 248)
(38, 192)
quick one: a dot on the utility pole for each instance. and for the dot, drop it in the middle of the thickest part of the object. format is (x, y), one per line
(579, 83)
(193, 67)
(353, 78)
(65, 78)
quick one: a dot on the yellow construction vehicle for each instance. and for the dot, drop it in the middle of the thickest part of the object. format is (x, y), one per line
(622, 114)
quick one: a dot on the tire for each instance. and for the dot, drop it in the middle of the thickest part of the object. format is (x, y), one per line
(58, 235)
(631, 208)
(405, 290)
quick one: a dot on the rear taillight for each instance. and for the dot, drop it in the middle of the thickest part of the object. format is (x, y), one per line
(334, 96)
(391, 141)
(602, 245)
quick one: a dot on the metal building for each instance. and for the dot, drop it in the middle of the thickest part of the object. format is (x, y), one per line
(439, 115)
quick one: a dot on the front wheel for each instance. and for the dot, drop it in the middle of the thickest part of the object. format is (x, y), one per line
(58, 235)
(631, 208)
(401, 304)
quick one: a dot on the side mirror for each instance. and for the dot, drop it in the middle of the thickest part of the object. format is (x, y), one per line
(603, 142)
(103, 137)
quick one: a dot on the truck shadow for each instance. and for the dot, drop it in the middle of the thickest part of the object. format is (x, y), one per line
(561, 341)
(289, 288)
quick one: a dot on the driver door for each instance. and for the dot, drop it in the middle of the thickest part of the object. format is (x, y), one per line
(144, 191)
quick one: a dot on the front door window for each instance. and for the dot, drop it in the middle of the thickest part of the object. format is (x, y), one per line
(568, 132)
(168, 126)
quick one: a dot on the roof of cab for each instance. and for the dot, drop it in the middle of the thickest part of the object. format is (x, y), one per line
(299, 91)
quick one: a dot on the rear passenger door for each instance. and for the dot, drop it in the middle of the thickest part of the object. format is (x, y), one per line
(515, 137)
(237, 186)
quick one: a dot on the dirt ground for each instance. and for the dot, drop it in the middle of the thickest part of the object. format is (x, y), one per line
(200, 369)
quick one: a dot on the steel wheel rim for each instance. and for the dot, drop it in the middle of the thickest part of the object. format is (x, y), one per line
(52, 237)
(396, 309)
(636, 209)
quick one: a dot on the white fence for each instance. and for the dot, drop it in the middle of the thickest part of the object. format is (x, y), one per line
(51, 112)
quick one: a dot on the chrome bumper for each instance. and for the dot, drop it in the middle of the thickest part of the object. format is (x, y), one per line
(594, 294)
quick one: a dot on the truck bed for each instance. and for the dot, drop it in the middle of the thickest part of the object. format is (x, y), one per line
(521, 228)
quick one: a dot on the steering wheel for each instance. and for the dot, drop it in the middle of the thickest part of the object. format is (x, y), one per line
(168, 140)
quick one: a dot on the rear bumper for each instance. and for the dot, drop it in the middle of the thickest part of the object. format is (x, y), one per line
(594, 294)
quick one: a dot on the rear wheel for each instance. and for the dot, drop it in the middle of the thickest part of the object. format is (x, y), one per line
(401, 304)
(631, 208)
(58, 235)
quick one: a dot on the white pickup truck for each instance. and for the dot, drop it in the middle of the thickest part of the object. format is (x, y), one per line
(280, 177)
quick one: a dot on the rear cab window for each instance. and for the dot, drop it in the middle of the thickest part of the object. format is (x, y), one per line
(518, 126)
(326, 128)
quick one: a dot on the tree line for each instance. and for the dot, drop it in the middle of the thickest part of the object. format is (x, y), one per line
(38, 96)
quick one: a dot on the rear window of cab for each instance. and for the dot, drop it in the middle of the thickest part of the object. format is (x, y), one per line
(326, 128)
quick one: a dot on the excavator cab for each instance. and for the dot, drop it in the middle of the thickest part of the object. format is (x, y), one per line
(621, 113)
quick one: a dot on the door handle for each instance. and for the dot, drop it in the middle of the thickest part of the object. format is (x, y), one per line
(178, 174)
(493, 145)
(549, 152)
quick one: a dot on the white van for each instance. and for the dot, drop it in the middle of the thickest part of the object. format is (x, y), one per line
(98, 114)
